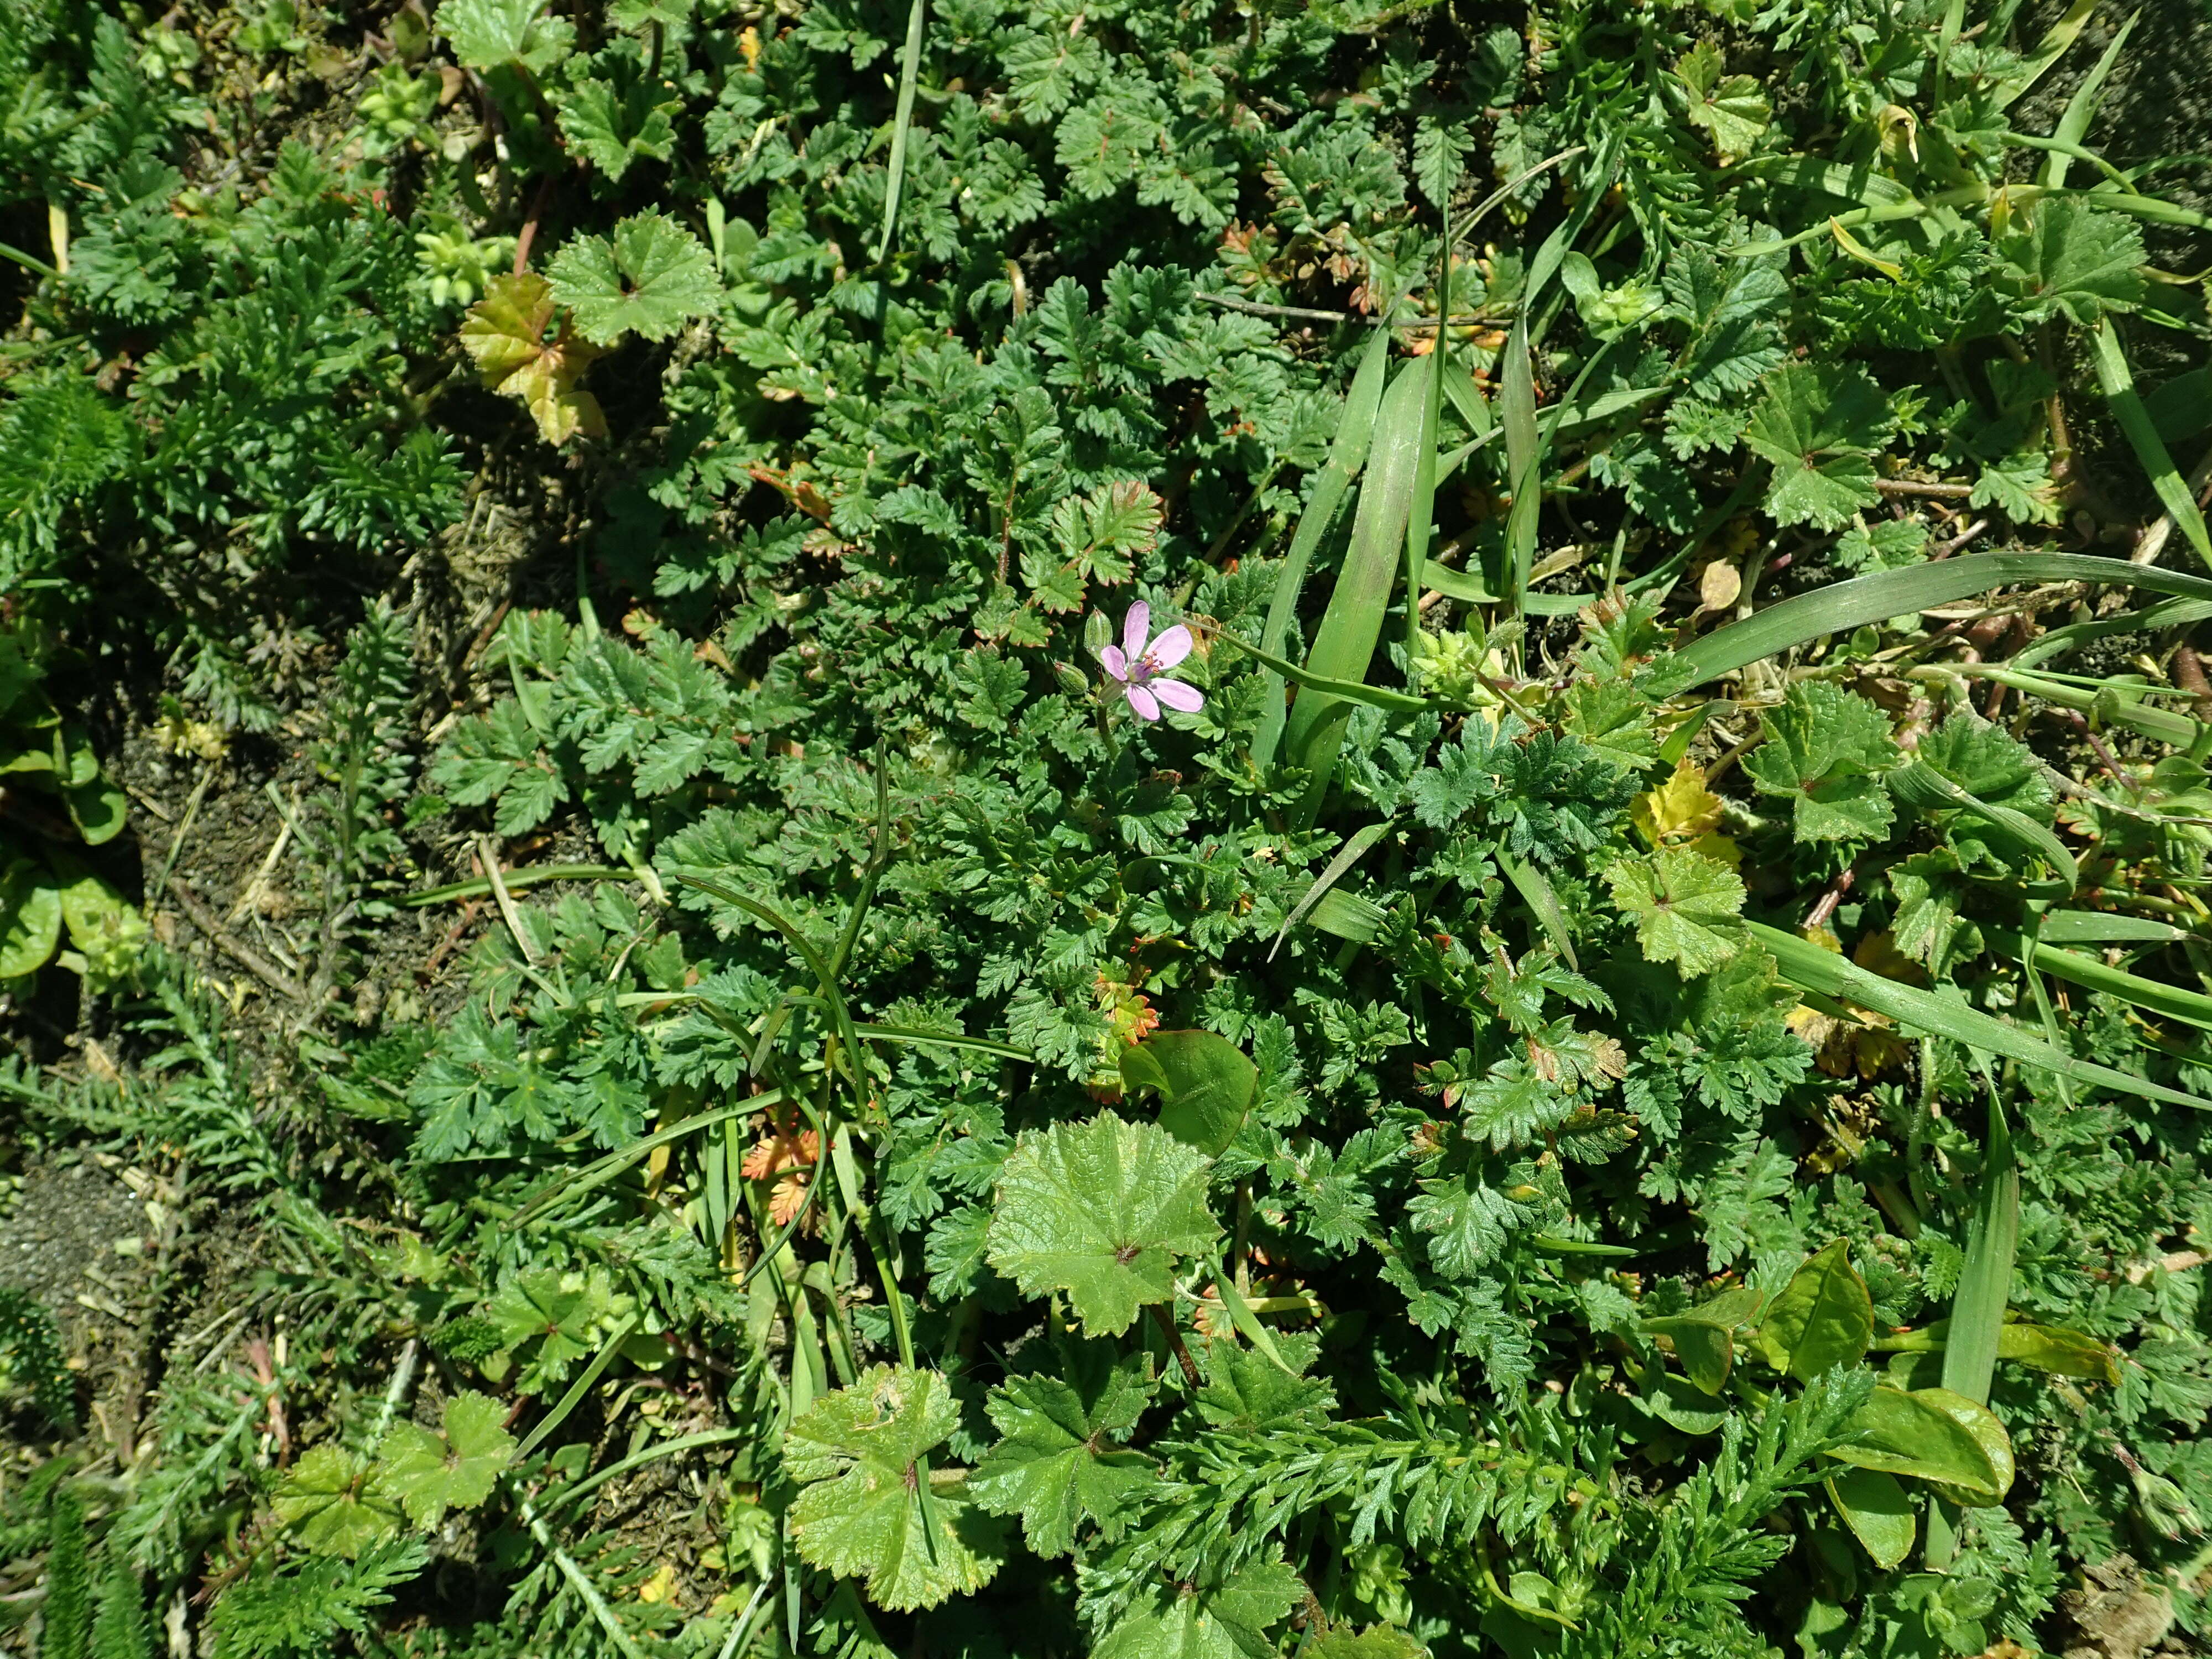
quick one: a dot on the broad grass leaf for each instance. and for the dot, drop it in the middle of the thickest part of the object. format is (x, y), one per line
(1205, 1084)
(505, 335)
(1823, 1317)
(1915, 1435)
(430, 1474)
(867, 1511)
(653, 278)
(1686, 907)
(1058, 1462)
(332, 1504)
(1879, 1512)
(1100, 1210)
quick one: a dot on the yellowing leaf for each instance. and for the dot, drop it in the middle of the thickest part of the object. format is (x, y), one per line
(505, 335)
(1720, 586)
(1678, 810)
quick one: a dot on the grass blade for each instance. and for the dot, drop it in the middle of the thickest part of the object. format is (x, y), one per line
(2119, 384)
(601, 1170)
(1375, 696)
(1805, 964)
(2102, 928)
(578, 1389)
(1925, 787)
(1421, 513)
(1842, 606)
(1347, 453)
(2081, 108)
(909, 74)
(2059, 641)
(1535, 891)
(2160, 724)
(1347, 855)
(1344, 644)
(1969, 1347)
(2191, 1008)
(2056, 39)
(1516, 413)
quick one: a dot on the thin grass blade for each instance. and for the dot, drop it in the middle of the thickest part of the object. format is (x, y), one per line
(2127, 404)
(1842, 606)
(1805, 964)
(2081, 108)
(1347, 855)
(909, 75)
(2056, 39)
(1355, 431)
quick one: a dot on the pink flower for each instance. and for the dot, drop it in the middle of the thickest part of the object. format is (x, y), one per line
(1138, 666)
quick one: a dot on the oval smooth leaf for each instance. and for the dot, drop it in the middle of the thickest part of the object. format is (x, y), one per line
(2062, 1352)
(1910, 1434)
(1705, 1349)
(1879, 1512)
(1679, 1405)
(1823, 1318)
(1205, 1084)
(30, 920)
(1988, 1434)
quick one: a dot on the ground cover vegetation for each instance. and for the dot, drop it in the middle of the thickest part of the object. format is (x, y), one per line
(1122, 828)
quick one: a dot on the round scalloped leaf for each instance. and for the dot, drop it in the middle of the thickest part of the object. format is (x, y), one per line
(1100, 1210)
(653, 278)
(868, 1509)
(430, 1474)
(332, 1504)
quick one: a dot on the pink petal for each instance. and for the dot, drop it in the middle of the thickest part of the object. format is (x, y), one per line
(1116, 664)
(1170, 649)
(1135, 626)
(1142, 701)
(1184, 699)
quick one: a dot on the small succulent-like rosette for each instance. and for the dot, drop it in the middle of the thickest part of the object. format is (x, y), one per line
(1138, 667)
